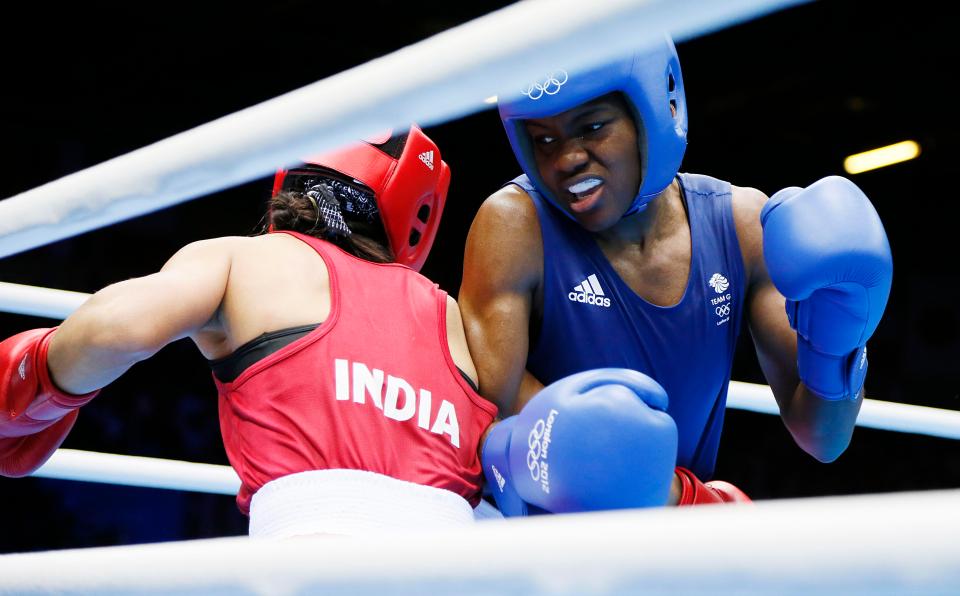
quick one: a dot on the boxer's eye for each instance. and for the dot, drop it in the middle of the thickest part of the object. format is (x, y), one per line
(544, 140)
(593, 127)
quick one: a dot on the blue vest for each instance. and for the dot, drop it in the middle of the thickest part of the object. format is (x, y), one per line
(592, 319)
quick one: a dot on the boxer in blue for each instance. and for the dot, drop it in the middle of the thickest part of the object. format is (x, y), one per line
(603, 255)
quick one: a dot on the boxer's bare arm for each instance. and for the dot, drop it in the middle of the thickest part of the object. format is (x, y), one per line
(129, 321)
(503, 265)
(457, 341)
(820, 427)
(774, 339)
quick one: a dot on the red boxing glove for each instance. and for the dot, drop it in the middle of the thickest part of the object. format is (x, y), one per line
(694, 492)
(35, 416)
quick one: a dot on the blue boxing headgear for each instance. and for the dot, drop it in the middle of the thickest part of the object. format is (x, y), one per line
(650, 82)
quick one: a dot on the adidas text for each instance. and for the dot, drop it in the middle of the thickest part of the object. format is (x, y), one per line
(589, 299)
(589, 291)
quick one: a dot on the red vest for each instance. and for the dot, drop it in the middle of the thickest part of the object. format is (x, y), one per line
(373, 388)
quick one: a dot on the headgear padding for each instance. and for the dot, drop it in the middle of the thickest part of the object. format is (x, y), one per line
(410, 188)
(650, 82)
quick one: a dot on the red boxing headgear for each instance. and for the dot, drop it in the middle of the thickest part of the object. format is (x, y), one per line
(410, 188)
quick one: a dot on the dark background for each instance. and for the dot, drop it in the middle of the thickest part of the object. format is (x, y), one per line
(775, 102)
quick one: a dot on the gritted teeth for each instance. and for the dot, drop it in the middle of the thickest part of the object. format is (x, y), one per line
(584, 186)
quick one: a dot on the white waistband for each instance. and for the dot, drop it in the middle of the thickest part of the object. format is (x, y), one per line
(350, 502)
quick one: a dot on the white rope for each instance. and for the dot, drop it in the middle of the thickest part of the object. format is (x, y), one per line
(438, 79)
(883, 415)
(150, 472)
(879, 544)
(68, 464)
(58, 304)
(39, 302)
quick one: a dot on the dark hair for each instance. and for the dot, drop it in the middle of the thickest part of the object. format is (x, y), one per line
(297, 212)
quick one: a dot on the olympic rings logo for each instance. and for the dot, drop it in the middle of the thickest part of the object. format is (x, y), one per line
(723, 310)
(536, 448)
(550, 86)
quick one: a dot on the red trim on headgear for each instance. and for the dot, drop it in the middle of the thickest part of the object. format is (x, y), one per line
(417, 181)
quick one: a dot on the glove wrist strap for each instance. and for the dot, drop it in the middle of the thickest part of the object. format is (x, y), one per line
(829, 376)
(496, 467)
(52, 403)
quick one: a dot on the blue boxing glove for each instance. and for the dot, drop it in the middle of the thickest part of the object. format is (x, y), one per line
(595, 440)
(827, 253)
(496, 467)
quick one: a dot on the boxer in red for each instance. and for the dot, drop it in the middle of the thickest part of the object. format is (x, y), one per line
(347, 393)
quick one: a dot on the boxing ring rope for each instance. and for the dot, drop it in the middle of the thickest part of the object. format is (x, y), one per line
(148, 472)
(58, 304)
(837, 545)
(39, 302)
(70, 464)
(846, 544)
(881, 415)
(441, 78)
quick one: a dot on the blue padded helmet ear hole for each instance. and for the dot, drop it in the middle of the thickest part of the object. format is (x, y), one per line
(672, 86)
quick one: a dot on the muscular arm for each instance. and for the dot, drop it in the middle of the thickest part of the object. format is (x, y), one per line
(822, 428)
(457, 341)
(502, 268)
(129, 321)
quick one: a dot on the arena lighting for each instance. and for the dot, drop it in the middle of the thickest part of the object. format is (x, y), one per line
(881, 157)
(490, 100)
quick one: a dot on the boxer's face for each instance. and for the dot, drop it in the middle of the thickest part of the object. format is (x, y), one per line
(589, 160)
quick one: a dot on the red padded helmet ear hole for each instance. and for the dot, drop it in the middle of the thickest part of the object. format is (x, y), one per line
(414, 237)
(424, 213)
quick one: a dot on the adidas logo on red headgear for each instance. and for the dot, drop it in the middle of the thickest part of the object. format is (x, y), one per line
(427, 158)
